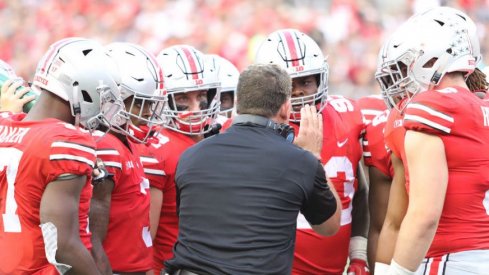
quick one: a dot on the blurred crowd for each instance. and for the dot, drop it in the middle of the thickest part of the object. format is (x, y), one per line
(350, 32)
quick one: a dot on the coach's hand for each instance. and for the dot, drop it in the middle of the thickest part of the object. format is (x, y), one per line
(310, 136)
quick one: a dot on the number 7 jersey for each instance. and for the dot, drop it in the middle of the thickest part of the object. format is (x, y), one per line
(33, 154)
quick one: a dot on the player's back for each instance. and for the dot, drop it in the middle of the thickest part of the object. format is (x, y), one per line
(33, 154)
(461, 120)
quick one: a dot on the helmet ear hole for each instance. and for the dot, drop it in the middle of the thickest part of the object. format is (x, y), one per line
(430, 63)
(86, 96)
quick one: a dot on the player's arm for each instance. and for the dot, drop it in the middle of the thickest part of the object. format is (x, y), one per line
(378, 197)
(323, 210)
(99, 222)
(359, 225)
(428, 173)
(396, 210)
(155, 210)
(60, 224)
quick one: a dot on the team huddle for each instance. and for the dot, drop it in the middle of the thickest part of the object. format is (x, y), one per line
(87, 174)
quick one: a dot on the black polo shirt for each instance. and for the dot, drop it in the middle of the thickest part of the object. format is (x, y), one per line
(239, 196)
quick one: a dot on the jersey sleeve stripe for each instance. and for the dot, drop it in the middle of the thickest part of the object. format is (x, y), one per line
(107, 152)
(430, 111)
(367, 154)
(71, 157)
(62, 144)
(154, 172)
(428, 122)
(365, 142)
(113, 164)
(148, 159)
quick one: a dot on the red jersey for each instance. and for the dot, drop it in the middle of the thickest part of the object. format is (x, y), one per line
(371, 106)
(33, 154)
(315, 254)
(461, 120)
(226, 124)
(128, 242)
(151, 156)
(167, 232)
(374, 150)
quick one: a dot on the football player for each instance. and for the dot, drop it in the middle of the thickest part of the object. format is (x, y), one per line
(119, 217)
(193, 104)
(307, 66)
(46, 161)
(439, 136)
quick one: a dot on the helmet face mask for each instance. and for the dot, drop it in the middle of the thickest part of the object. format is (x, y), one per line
(300, 56)
(142, 90)
(78, 71)
(396, 84)
(187, 71)
(182, 120)
(110, 109)
(425, 48)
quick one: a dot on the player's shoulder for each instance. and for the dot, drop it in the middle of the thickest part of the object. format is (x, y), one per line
(371, 102)
(446, 100)
(53, 131)
(342, 104)
(379, 120)
(173, 143)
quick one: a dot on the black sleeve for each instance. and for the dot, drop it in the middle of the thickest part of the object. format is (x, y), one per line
(321, 203)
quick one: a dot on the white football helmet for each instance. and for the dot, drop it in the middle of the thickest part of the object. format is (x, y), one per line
(78, 71)
(423, 50)
(186, 70)
(228, 76)
(300, 56)
(142, 84)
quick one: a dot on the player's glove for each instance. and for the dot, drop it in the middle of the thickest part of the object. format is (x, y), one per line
(358, 256)
(358, 267)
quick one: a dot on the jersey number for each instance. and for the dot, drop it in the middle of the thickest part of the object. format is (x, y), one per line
(341, 105)
(9, 164)
(333, 167)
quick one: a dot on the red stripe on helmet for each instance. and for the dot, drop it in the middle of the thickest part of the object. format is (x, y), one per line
(54, 49)
(292, 49)
(191, 61)
(159, 70)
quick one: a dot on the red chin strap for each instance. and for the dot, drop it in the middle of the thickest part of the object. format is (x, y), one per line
(193, 127)
(142, 133)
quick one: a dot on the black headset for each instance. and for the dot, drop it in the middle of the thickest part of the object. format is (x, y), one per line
(284, 130)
